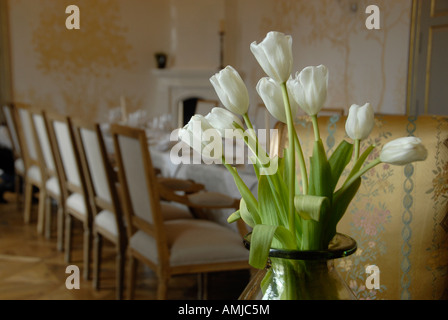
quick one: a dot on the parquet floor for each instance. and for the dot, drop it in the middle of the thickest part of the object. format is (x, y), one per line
(31, 268)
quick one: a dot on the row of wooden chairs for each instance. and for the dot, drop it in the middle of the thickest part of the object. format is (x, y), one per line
(149, 218)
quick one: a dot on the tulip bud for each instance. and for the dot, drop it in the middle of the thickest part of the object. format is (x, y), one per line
(404, 150)
(222, 119)
(231, 90)
(309, 88)
(202, 137)
(360, 121)
(270, 92)
(274, 54)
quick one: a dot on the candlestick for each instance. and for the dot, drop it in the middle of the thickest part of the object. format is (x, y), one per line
(222, 26)
(221, 43)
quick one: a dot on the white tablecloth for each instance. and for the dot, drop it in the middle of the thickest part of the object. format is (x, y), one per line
(215, 177)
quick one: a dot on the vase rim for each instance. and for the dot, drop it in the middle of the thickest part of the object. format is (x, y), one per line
(340, 246)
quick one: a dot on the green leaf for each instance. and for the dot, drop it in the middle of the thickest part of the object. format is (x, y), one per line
(339, 160)
(341, 201)
(360, 162)
(260, 244)
(320, 171)
(268, 210)
(234, 217)
(245, 192)
(286, 238)
(311, 207)
(249, 218)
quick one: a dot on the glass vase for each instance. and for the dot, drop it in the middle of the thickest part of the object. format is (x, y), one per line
(302, 275)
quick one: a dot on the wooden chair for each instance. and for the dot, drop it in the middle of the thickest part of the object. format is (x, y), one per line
(179, 246)
(74, 186)
(34, 175)
(50, 171)
(108, 220)
(10, 114)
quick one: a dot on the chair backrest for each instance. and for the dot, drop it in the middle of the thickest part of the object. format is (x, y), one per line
(66, 153)
(138, 182)
(399, 215)
(11, 123)
(41, 132)
(98, 170)
(29, 139)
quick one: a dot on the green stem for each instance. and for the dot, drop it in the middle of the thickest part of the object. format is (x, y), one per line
(301, 164)
(291, 158)
(251, 200)
(315, 127)
(272, 183)
(357, 144)
(249, 125)
(359, 174)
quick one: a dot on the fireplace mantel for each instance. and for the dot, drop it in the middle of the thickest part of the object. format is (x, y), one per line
(176, 85)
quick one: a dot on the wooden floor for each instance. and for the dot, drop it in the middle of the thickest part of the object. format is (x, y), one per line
(31, 268)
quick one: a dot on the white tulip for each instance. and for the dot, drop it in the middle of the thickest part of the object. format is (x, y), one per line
(222, 119)
(309, 88)
(404, 150)
(202, 137)
(360, 121)
(270, 92)
(274, 54)
(231, 90)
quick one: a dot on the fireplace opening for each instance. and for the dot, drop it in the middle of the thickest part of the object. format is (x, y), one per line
(190, 106)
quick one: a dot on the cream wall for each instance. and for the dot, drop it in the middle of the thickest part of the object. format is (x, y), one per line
(364, 65)
(84, 72)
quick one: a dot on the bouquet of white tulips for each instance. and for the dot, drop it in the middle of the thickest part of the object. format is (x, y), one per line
(285, 215)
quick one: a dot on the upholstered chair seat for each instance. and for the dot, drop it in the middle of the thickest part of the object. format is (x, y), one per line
(76, 202)
(172, 211)
(211, 199)
(19, 166)
(52, 186)
(214, 245)
(34, 173)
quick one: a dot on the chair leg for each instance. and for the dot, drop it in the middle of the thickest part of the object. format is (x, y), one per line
(202, 286)
(60, 227)
(87, 251)
(28, 202)
(97, 246)
(68, 237)
(162, 286)
(41, 210)
(133, 265)
(48, 216)
(120, 266)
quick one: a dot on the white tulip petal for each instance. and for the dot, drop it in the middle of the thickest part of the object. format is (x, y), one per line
(274, 54)
(404, 150)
